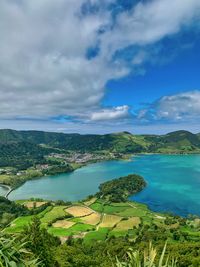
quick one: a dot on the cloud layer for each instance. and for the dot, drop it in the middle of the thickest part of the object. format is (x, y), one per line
(46, 65)
(180, 107)
(110, 114)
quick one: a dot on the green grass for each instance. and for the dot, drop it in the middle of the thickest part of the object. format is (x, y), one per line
(134, 212)
(59, 231)
(22, 201)
(138, 205)
(97, 206)
(76, 220)
(74, 230)
(114, 209)
(122, 204)
(122, 209)
(116, 233)
(148, 220)
(101, 234)
(41, 214)
(18, 224)
(81, 227)
(56, 213)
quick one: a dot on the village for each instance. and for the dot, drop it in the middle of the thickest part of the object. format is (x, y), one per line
(83, 158)
(54, 163)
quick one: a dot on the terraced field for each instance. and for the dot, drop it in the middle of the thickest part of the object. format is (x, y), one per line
(109, 221)
(53, 214)
(95, 221)
(128, 224)
(79, 211)
(92, 219)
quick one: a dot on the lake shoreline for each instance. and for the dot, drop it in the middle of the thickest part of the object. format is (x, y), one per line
(9, 189)
(165, 175)
(126, 157)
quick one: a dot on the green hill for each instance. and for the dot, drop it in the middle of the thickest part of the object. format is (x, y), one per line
(117, 142)
(174, 142)
(30, 147)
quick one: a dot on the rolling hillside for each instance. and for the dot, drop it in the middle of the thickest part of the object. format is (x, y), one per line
(119, 142)
(32, 146)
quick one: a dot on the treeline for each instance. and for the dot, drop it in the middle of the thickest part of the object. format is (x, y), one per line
(22, 155)
(175, 142)
(117, 190)
(9, 210)
(58, 168)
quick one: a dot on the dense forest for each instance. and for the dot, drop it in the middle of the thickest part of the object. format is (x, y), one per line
(117, 190)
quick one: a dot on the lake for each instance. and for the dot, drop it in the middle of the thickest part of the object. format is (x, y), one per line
(173, 182)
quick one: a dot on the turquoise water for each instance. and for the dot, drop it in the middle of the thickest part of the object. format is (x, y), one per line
(173, 182)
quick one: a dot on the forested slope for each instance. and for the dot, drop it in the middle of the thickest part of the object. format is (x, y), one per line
(28, 147)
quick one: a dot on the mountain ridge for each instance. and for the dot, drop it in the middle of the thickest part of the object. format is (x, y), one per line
(117, 142)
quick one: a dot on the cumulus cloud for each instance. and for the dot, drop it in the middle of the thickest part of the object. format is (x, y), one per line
(148, 22)
(110, 114)
(44, 68)
(180, 107)
(44, 71)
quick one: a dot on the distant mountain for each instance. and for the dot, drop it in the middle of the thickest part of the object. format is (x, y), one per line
(31, 146)
(119, 141)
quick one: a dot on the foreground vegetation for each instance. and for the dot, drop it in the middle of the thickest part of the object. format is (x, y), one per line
(95, 231)
(148, 259)
(40, 245)
(15, 253)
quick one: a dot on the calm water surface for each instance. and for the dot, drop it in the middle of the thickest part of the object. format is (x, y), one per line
(173, 182)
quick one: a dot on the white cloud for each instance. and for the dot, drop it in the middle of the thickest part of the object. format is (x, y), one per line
(110, 114)
(44, 70)
(180, 107)
(149, 22)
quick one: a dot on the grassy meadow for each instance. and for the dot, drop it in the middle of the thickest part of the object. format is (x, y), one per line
(98, 220)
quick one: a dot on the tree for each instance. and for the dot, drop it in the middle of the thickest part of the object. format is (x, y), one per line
(41, 243)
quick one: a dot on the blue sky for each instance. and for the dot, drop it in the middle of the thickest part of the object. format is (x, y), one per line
(94, 66)
(179, 74)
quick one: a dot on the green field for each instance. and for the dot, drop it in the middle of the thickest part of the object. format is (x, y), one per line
(18, 224)
(74, 230)
(97, 206)
(53, 214)
(115, 220)
(100, 234)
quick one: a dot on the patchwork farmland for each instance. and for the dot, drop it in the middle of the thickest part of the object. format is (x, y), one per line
(91, 220)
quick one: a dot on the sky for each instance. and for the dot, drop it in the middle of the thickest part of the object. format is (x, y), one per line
(100, 66)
